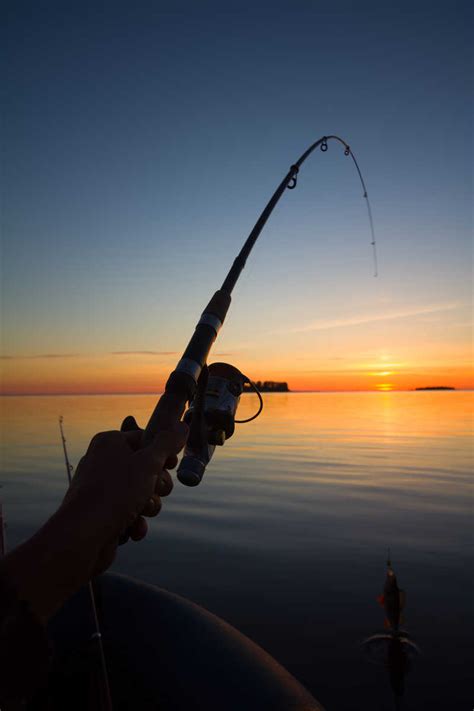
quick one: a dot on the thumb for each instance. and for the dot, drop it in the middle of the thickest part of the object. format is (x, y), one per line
(129, 424)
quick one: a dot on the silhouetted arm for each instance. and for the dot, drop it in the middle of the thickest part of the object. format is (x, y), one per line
(115, 483)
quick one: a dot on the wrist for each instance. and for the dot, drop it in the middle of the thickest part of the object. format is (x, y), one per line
(71, 539)
(52, 565)
(96, 520)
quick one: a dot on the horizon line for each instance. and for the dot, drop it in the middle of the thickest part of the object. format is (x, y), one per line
(287, 392)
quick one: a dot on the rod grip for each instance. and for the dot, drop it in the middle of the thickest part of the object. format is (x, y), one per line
(168, 411)
(170, 408)
(181, 386)
(219, 304)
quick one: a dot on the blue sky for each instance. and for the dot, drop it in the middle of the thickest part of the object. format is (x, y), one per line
(141, 141)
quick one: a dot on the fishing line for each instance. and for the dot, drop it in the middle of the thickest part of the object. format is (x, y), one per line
(260, 408)
(323, 143)
(369, 210)
(3, 543)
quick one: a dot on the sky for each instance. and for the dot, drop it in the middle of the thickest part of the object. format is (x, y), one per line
(140, 142)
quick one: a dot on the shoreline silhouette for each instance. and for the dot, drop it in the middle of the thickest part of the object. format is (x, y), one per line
(437, 387)
(268, 386)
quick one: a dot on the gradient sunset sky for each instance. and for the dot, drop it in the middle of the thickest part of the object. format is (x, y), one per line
(140, 143)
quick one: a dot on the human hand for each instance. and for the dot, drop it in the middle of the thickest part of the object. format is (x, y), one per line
(117, 483)
(138, 527)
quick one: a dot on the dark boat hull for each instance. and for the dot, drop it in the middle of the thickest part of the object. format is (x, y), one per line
(164, 652)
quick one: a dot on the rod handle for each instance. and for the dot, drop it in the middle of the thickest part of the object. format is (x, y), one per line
(168, 411)
(171, 405)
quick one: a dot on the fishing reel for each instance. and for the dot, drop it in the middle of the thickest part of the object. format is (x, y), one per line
(211, 417)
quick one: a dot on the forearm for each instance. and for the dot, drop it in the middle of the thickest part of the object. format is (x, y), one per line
(114, 482)
(48, 568)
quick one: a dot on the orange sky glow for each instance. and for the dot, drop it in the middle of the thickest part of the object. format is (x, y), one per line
(126, 202)
(143, 373)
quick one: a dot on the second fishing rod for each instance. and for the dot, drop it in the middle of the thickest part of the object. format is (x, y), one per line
(214, 392)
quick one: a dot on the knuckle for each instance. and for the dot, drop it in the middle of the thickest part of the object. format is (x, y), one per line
(164, 483)
(153, 507)
(103, 439)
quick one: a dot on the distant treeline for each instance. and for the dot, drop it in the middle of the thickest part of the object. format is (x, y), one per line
(437, 387)
(268, 386)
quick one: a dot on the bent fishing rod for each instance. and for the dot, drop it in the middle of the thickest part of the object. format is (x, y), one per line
(214, 392)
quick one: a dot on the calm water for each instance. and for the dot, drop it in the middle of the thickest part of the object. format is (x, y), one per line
(287, 536)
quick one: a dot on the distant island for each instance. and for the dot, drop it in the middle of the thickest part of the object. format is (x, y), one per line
(437, 387)
(268, 386)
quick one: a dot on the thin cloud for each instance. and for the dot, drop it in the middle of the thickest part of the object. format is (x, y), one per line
(46, 356)
(313, 357)
(39, 356)
(135, 353)
(322, 324)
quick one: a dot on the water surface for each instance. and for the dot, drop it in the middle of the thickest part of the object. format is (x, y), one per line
(287, 535)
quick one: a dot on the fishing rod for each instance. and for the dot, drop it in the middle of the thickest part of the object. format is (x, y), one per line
(97, 635)
(3, 544)
(214, 391)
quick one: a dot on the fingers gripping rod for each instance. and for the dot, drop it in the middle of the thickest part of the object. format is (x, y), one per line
(182, 383)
